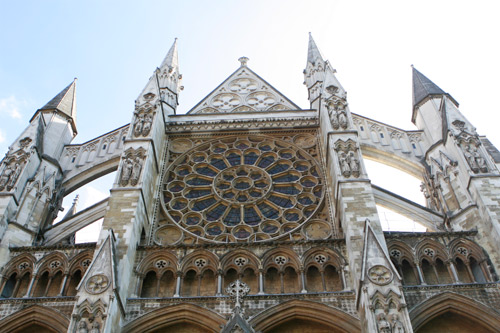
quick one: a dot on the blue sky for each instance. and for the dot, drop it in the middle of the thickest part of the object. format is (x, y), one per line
(114, 46)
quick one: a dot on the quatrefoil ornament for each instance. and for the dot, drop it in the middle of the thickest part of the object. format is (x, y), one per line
(380, 275)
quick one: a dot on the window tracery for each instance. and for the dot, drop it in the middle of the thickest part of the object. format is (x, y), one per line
(250, 188)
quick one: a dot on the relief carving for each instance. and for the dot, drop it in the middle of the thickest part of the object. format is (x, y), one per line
(337, 111)
(143, 121)
(10, 173)
(348, 158)
(475, 158)
(132, 167)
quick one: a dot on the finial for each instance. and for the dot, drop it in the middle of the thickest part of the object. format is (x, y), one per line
(243, 61)
(75, 200)
(412, 66)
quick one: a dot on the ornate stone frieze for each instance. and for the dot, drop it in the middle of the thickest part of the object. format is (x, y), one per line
(173, 127)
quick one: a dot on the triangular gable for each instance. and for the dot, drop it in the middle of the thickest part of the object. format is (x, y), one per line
(244, 91)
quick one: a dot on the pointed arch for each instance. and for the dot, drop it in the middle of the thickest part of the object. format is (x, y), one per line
(189, 261)
(227, 261)
(457, 304)
(177, 314)
(35, 315)
(305, 310)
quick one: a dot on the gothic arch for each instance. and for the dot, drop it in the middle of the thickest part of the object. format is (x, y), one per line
(305, 310)
(334, 258)
(268, 260)
(176, 314)
(35, 315)
(190, 261)
(148, 262)
(458, 304)
(13, 265)
(44, 263)
(422, 247)
(228, 261)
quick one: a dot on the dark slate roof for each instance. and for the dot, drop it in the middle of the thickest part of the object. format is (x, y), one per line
(65, 101)
(423, 87)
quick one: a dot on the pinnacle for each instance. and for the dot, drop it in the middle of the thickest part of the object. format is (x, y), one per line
(423, 87)
(65, 101)
(171, 59)
(313, 52)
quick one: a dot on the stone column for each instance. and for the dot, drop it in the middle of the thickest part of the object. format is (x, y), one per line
(303, 281)
(219, 283)
(451, 267)
(178, 285)
(420, 274)
(261, 282)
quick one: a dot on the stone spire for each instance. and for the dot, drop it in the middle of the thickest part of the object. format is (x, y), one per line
(64, 102)
(171, 59)
(313, 52)
(72, 209)
(423, 88)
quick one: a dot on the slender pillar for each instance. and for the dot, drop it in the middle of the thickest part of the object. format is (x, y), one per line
(282, 290)
(342, 274)
(433, 264)
(2, 283)
(33, 285)
(303, 281)
(420, 275)
(178, 285)
(158, 280)
(219, 283)
(469, 270)
(261, 282)
(63, 285)
(16, 287)
(139, 285)
(451, 265)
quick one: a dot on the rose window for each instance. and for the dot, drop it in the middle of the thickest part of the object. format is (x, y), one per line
(242, 189)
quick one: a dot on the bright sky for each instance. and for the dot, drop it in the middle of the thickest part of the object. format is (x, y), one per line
(114, 46)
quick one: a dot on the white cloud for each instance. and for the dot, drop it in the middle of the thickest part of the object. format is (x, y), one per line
(11, 106)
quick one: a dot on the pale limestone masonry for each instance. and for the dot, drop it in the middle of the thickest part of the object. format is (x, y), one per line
(250, 214)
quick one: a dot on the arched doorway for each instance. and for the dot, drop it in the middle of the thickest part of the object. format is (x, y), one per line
(304, 316)
(35, 319)
(182, 318)
(450, 312)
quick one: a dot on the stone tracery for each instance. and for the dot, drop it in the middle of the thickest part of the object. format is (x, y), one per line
(243, 188)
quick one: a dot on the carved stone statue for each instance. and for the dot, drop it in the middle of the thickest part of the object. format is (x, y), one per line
(397, 325)
(146, 128)
(353, 164)
(479, 159)
(342, 119)
(126, 172)
(9, 176)
(95, 327)
(5, 177)
(82, 326)
(138, 125)
(383, 325)
(344, 165)
(136, 171)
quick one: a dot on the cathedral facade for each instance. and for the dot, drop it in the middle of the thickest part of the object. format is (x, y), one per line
(250, 214)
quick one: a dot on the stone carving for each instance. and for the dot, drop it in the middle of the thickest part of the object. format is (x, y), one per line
(97, 284)
(132, 167)
(82, 326)
(397, 325)
(383, 325)
(348, 159)
(237, 290)
(475, 158)
(95, 327)
(380, 275)
(143, 121)
(9, 175)
(337, 111)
